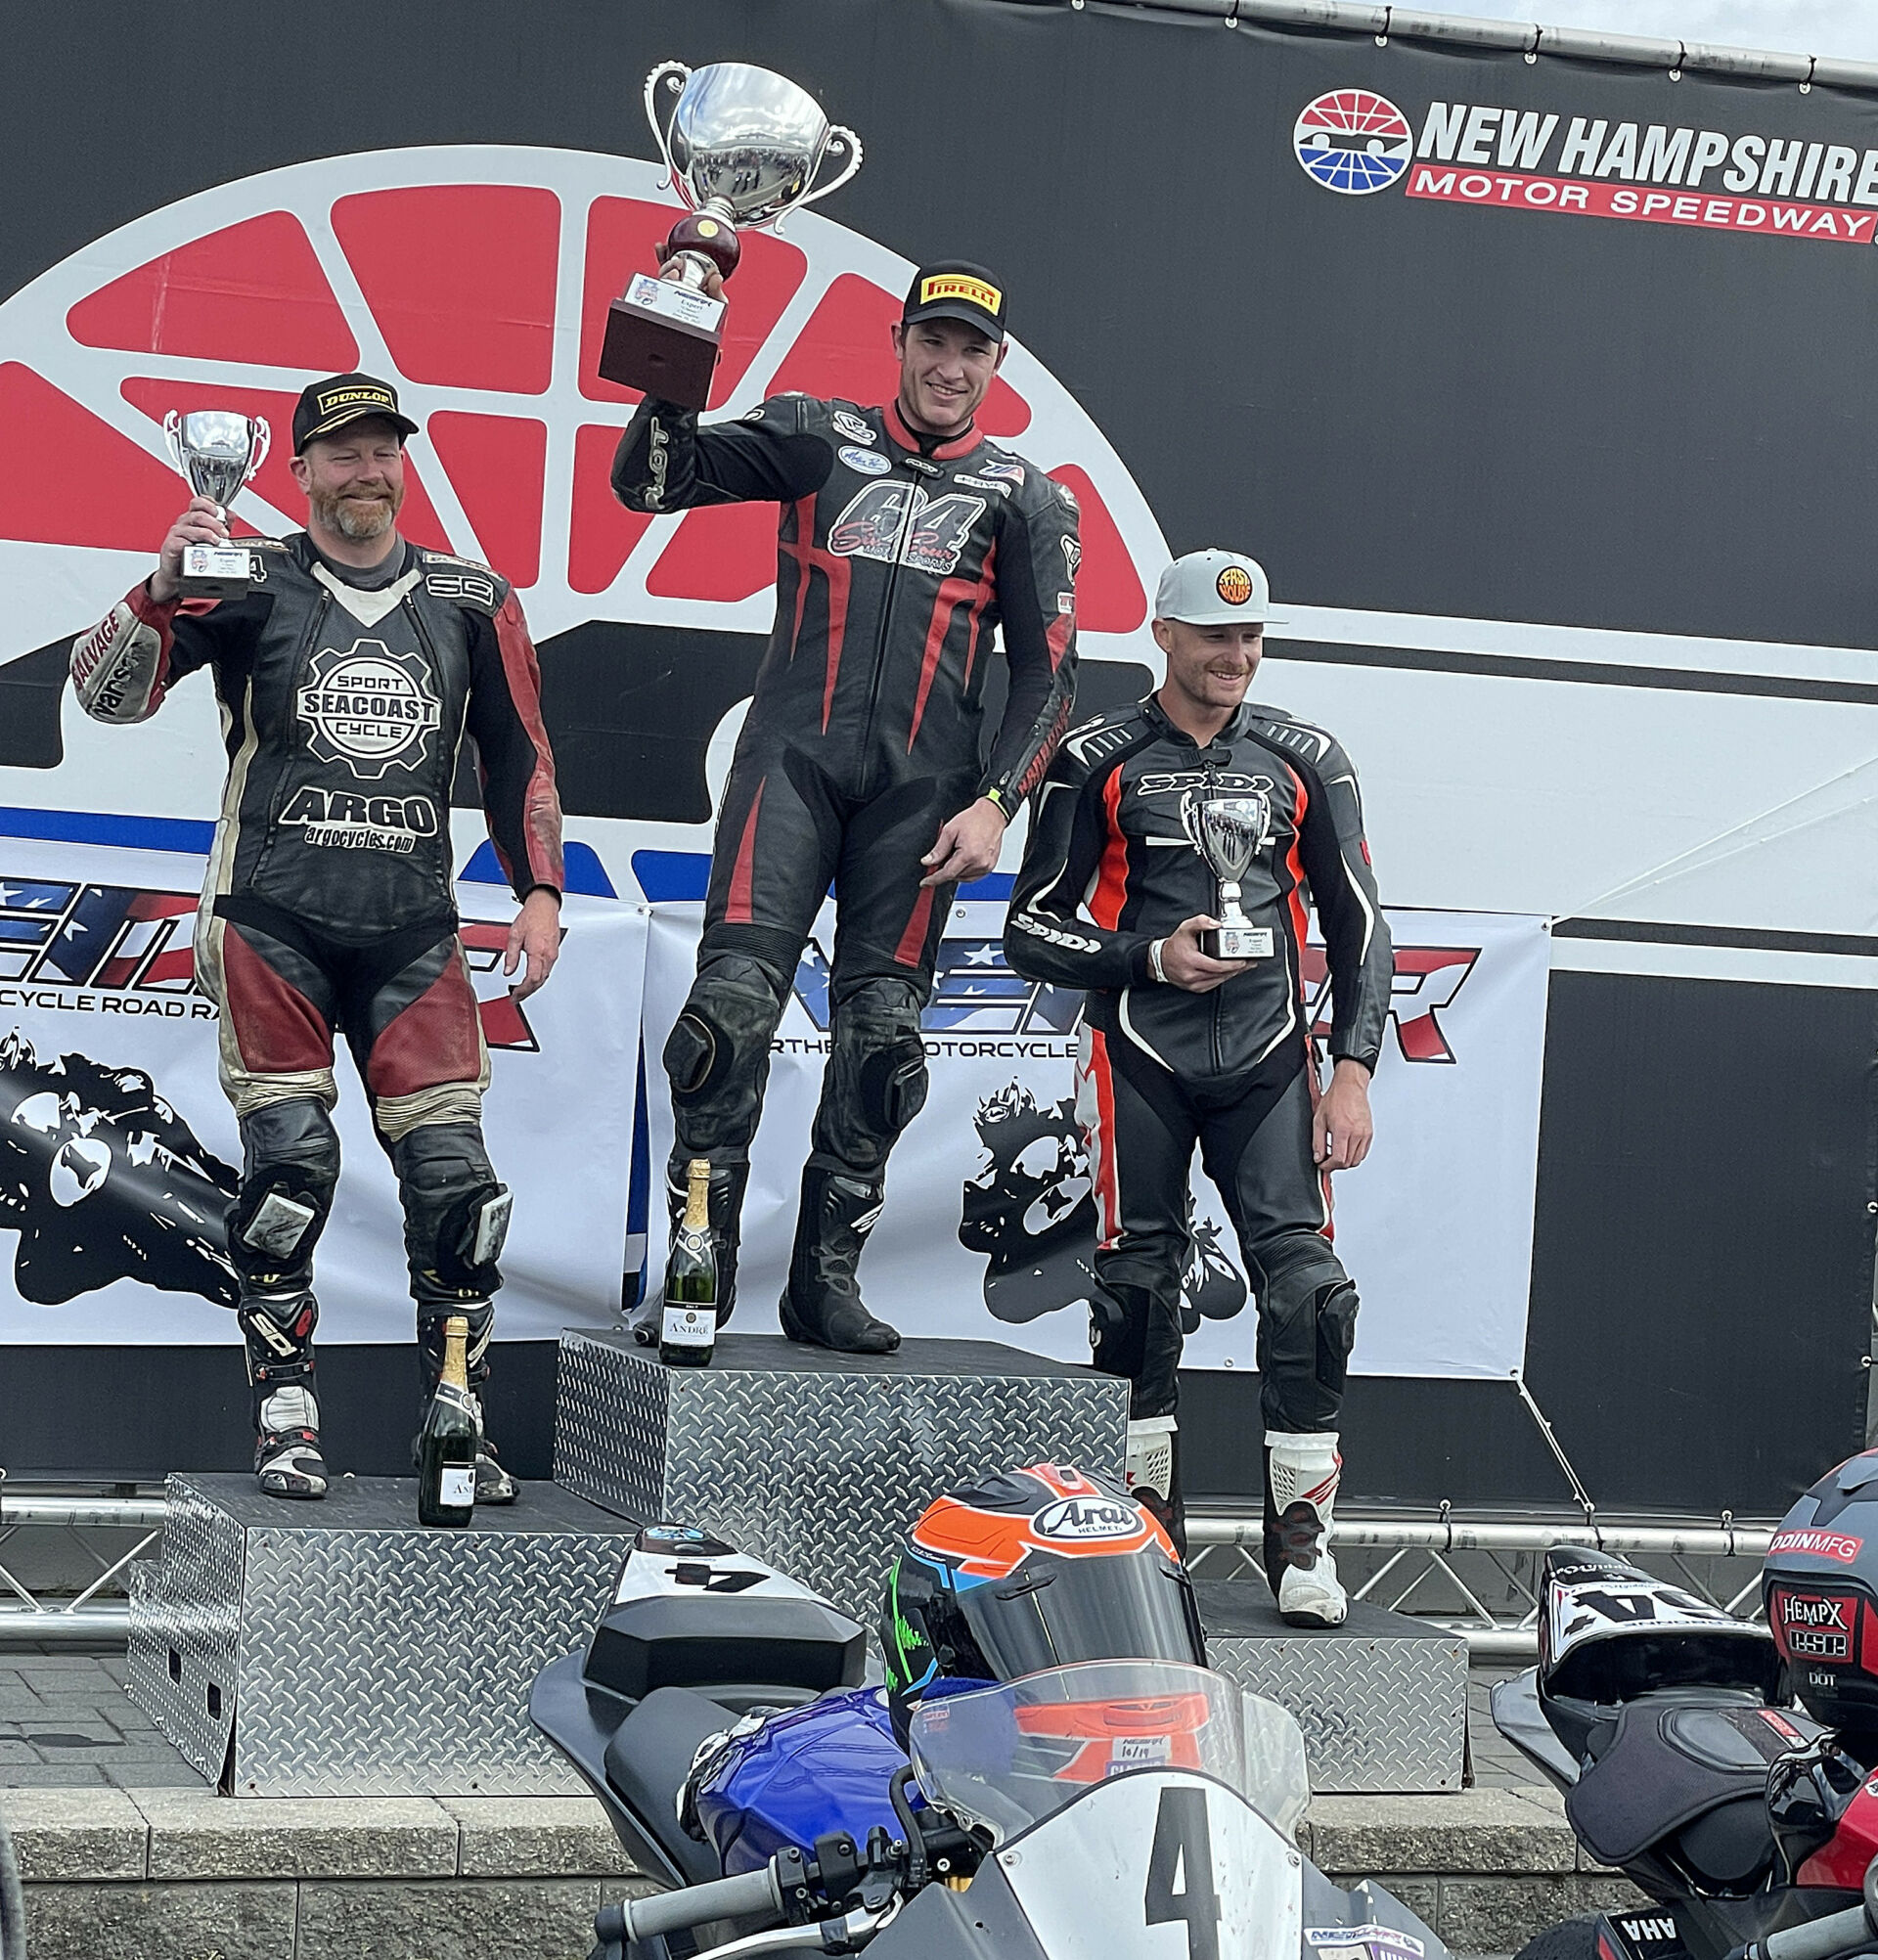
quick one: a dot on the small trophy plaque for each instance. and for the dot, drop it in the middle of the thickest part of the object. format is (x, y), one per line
(217, 452)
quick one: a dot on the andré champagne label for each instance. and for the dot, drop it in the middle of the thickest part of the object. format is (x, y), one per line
(447, 1445)
(687, 1331)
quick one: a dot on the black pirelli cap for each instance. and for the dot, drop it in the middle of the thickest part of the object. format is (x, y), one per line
(953, 289)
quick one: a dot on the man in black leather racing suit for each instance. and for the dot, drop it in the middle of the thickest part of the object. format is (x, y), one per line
(347, 677)
(1180, 1048)
(904, 539)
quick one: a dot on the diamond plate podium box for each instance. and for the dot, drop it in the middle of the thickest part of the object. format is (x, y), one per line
(818, 1462)
(340, 1649)
(1382, 1699)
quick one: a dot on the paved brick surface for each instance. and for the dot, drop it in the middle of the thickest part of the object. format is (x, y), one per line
(66, 1722)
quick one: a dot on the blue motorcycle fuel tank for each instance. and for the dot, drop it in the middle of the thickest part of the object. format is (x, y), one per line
(804, 1774)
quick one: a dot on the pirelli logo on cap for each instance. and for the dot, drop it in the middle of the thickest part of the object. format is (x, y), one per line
(960, 285)
(330, 400)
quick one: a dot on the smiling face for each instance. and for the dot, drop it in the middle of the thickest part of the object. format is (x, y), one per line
(1209, 668)
(946, 370)
(354, 480)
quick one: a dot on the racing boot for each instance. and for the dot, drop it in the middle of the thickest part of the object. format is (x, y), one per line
(821, 1304)
(1154, 1474)
(1301, 1474)
(277, 1330)
(494, 1484)
(1136, 1333)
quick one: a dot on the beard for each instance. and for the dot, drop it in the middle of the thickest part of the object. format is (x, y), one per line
(359, 514)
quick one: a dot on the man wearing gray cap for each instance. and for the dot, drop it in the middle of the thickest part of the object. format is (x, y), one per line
(1182, 1047)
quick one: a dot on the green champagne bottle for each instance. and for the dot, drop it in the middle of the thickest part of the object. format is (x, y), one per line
(447, 1447)
(688, 1330)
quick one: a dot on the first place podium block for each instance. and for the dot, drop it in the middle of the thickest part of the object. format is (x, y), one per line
(340, 1649)
(818, 1462)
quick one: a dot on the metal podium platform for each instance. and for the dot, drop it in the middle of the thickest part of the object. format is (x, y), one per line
(340, 1649)
(818, 1462)
(1382, 1699)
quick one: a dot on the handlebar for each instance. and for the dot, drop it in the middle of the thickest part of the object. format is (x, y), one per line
(735, 1898)
(1821, 1939)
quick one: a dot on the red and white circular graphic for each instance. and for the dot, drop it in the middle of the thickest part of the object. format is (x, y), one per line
(478, 280)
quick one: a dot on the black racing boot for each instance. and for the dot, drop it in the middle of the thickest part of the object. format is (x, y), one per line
(494, 1484)
(821, 1304)
(278, 1331)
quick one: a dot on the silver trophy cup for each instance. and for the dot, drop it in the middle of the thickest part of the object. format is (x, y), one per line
(217, 452)
(1228, 832)
(744, 148)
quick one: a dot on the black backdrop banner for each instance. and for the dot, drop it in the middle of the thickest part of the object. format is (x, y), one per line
(1447, 336)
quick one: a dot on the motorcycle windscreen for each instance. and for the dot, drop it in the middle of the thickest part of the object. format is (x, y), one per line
(1158, 1865)
(1005, 1757)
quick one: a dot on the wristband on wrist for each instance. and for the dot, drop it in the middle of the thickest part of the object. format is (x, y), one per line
(1155, 959)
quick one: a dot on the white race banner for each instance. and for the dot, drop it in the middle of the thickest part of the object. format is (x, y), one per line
(118, 1152)
(989, 1226)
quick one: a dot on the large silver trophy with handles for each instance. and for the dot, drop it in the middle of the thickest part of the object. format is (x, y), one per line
(744, 148)
(217, 452)
(1229, 831)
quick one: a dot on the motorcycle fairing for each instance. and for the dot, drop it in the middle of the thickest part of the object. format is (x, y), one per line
(1099, 1878)
(1642, 1935)
(1611, 1632)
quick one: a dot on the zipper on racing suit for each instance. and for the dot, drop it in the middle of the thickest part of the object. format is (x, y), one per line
(297, 676)
(915, 489)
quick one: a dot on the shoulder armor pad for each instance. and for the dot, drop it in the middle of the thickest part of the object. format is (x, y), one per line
(266, 544)
(1095, 740)
(463, 581)
(1300, 737)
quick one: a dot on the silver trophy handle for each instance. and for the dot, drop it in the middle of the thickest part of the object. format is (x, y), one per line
(661, 132)
(841, 137)
(173, 438)
(259, 454)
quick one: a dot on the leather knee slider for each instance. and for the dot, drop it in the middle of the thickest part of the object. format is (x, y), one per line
(456, 1211)
(722, 1035)
(292, 1158)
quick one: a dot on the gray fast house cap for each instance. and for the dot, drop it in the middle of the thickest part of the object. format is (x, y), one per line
(1214, 588)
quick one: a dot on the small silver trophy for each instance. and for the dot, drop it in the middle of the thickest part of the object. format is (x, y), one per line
(217, 452)
(1228, 832)
(744, 148)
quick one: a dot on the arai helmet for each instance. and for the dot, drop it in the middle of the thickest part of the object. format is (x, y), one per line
(1032, 1569)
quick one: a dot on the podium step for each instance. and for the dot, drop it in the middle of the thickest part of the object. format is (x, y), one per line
(340, 1649)
(818, 1462)
(1382, 1699)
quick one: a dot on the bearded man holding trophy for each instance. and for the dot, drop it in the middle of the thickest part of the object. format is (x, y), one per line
(906, 539)
(349, 665)
(1173, 851)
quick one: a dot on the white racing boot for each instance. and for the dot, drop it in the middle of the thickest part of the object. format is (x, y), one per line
(1150, 1473)
(1300, 1475)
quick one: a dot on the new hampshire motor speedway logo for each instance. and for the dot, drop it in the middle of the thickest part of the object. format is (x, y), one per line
(1356, 143)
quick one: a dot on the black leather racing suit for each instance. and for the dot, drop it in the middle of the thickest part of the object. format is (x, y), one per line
(330, 907)
(897, 557)
(1107, 871)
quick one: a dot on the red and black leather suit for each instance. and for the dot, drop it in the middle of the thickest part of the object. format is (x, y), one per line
(898, 559)
(1107, 871)
(328, 906)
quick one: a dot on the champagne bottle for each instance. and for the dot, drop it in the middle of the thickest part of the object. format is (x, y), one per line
(688, 1331)
(447, 1447)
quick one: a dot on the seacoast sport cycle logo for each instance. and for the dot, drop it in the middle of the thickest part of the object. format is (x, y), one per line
(1548, 160)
